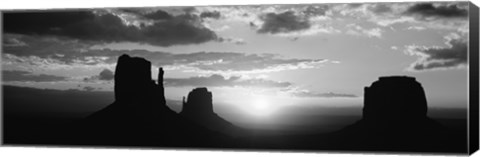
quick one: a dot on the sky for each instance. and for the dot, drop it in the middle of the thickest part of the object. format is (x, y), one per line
(267, 56)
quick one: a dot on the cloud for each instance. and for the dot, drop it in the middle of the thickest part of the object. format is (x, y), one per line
(105, 75)
(429, 10)
(390, 21)
(216, 62)
(380, 8)
(438, 15)
(453, 56)
(306, 93)
(216, 80)
(374, 32)
(236, 41)
(315, 10)
(158, 15)
(89, 88)
(64, 50)
(382, 14)
(417, 28)
(12, 41)
(349, 9)
(313, 30)
(55, 53)
(155, 28)
(26, 76)
(278, 20)
(441, 16)
(365, 10)
(208, 14)
(354, 29)
(283, 23)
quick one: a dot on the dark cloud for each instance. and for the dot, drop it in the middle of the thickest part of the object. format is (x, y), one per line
(105, 75)
(72, 52)
(427, 10)
(210, 14)
(158, 28)
(146, 13)
(40, 23)
(283, 23)
(454, 55)
(220, 81)
(60, 49)
(26, 76)
(188, 9)
(158, 15)
(132, 10)
(323, 95)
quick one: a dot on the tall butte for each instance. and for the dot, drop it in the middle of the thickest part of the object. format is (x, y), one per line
(133, 82)
(138, 98)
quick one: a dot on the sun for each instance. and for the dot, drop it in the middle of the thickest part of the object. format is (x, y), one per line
(261, 107)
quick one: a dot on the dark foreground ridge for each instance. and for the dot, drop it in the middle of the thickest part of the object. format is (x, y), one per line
(394, 119)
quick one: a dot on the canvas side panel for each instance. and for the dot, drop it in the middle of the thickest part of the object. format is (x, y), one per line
(473, 73)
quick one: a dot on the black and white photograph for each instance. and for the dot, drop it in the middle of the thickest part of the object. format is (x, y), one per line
(388, 77)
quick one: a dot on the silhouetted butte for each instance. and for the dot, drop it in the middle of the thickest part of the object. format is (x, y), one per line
(395, 119)
(199, 109)
(395, 99)
(139, 116)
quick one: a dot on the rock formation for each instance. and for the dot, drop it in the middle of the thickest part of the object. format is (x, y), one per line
(140, 117)
(395, 119)
(199, 109)
(132, 78)
(395, 98)
(136, 94)
(199, 103)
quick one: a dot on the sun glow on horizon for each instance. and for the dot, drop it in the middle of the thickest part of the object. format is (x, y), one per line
(261, 107)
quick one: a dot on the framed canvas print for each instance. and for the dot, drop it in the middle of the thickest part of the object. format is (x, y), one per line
(342, 77)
